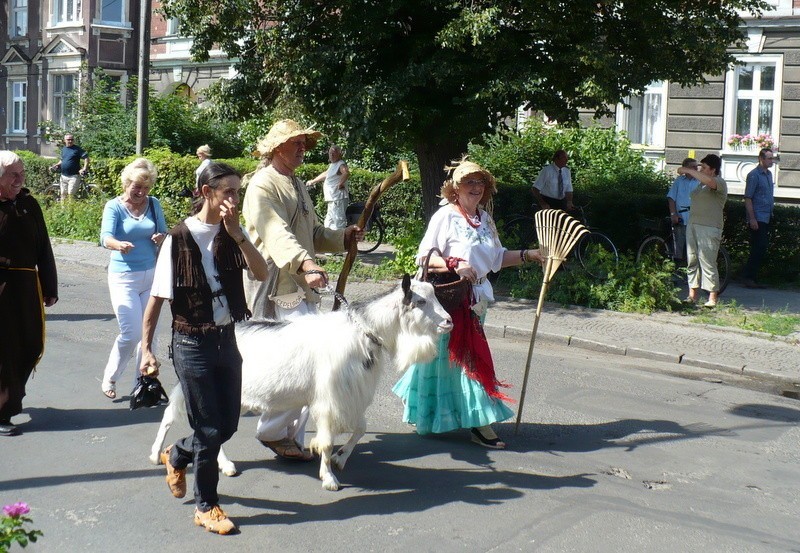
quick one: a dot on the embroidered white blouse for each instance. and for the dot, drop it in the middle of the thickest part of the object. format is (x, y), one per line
(449, 231)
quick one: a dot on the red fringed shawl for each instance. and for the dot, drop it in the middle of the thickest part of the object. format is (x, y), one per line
(469, 348)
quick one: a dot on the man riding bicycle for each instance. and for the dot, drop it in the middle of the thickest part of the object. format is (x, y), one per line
(71, 172)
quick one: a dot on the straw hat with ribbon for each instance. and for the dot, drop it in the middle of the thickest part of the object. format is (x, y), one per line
(460, 169)
(281, 132)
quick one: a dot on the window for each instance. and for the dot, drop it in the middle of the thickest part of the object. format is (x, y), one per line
(19, 106)
(177, 44)
(112, 11)
(63, 85)
(752, 97)
(18, 18)
(644, 121)
(173, 26)
(65, 11)
(755, 99)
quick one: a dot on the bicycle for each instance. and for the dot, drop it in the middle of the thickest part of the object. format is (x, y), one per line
(667, 242)
(85, 188)
(375, 229)
(595, 252)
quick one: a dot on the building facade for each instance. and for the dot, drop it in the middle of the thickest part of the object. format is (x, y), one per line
(759, 97)
(49, 48)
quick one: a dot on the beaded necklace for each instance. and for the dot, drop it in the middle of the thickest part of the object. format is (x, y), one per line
(474, 222)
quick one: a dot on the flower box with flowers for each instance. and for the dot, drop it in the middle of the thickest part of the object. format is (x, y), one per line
(750, 142)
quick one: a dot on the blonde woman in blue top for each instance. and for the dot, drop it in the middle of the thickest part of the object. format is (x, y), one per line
(133, 227)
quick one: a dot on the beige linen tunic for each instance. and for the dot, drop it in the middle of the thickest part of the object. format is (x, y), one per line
(283, 231)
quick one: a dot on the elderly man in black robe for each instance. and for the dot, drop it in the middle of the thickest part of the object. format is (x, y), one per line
(28, 282)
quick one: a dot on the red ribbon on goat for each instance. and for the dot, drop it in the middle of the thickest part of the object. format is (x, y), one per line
(468, 347)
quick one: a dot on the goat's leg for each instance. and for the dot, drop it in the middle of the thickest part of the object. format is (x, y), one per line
(226, 465)
(323, 445)
(166, 422)
(341, 457)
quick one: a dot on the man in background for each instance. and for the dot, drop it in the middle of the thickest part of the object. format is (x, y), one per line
(759, 203)
(70, 166)
(679, 202)
(553, 186)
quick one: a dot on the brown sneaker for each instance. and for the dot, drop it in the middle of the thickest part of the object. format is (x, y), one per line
(214, 520)
(176, 478)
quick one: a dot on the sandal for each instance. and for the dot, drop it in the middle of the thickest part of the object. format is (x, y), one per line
(479, 436)
(288, 449)
(110, 390)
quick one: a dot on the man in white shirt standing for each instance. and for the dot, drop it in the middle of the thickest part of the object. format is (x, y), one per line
(334, 189)
(553, 186)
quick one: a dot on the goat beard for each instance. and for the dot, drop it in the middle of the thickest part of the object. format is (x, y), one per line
(470, 350)
(413, 348)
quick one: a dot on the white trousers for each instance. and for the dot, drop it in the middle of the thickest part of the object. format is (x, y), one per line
(275, 426)
(335, 218)
(702, 246)
(130, 292)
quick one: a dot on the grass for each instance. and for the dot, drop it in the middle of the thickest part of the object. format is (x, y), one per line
(731, 314)
(359, 271)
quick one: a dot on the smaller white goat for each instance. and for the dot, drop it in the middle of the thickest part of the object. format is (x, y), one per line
(332, 362)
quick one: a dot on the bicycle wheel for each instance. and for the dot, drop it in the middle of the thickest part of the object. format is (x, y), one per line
(373, 237)
(519, 233)
(89, 190)
(53, 191)
(597, 254)
(652, 246)
(723, 266)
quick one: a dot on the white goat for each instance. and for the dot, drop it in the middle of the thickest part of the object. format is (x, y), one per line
(332, 362)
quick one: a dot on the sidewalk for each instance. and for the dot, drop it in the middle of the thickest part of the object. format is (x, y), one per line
(666, 337)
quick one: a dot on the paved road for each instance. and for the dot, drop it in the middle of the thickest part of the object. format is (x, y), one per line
(613, 454)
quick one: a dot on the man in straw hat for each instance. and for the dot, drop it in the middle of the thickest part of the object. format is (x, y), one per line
(280, 219)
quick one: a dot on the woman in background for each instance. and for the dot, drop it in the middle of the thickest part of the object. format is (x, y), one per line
(204, 155)
(459, 388)
(704, 232)
(133, 227)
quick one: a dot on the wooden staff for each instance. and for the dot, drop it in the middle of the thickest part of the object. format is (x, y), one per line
(401, 173)
(558, 233)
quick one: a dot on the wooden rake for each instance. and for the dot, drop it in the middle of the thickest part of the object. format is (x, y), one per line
(558, 233)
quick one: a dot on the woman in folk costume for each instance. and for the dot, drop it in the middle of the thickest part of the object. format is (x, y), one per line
(459, 389)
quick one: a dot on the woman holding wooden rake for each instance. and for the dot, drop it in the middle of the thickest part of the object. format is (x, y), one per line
(459, 389)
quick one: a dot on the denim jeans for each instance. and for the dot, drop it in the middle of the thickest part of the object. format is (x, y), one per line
(209, 368)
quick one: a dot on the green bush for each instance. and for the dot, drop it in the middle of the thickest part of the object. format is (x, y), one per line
(76, 219)
(614, 182)
(630, 287)
(781, 265)
(399, 204)
(37, 171)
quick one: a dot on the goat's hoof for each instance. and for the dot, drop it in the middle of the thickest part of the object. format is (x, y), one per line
(229, 470)
(338, 462)
(330, 484)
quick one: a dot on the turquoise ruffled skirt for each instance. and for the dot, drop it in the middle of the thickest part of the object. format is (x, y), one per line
(439, 397)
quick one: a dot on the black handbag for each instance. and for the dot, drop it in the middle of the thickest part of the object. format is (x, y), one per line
(148, 392)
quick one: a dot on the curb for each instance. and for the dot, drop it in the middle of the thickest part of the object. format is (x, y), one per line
(497, 331)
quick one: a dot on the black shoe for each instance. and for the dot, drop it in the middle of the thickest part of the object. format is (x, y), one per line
(8, 429)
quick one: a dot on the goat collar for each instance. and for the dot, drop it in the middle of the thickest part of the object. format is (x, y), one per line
(372, 338)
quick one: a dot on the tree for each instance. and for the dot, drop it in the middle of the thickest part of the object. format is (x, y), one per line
(431, 75)
(106, 127)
